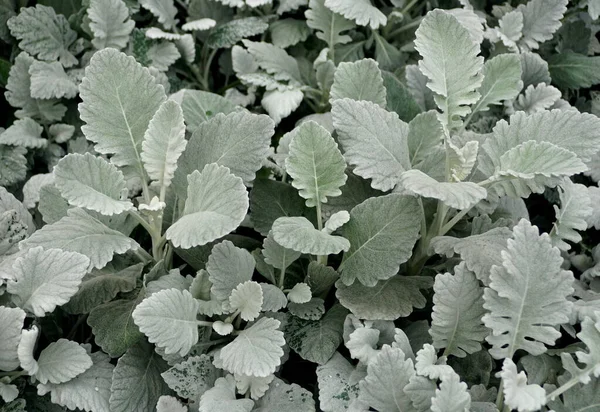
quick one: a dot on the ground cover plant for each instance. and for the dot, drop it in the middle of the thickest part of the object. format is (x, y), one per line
(299, 205)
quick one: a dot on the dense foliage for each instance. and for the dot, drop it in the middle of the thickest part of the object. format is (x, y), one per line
(300, 205)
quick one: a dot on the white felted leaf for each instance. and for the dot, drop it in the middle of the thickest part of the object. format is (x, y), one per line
(425, 135)
(452, 396)
(61, 132)
(537, 98)
(273, 298)
(25, 132)
(300, 293)
(89, 391)
(427, 364)
(336, 221)
(110, 23)
(79, 232)
(362, 344)
(377, 248)
(471, 21)
(288, 32)
(275, 61)
(541, 18)
(338, 384)
(501, 81)
(168, 319)
(327, 24)
(100, 188)
(359, 80)
(517, 393)
(590, 359)
(61, 361)
(299, 234)
(360, 11)
(247, 298)
(156, 33)
(119, 98)
(315, 164)
(199, 25)
(222, 328)
(228, 34)
(49, 80)
(221, 398)
(387, 376)
(168, 403)
(216, 204)
(32, 188)
(26, 348)
(256, 350)
(454, 79)
(11, 324)
(459, 195)
(281, 103)
(527, 300)
(373, 140)
(461, 160)
(164, 10)
(285, 397)
(458, 307)
(164, 141)
(575, 208)
(43, 33)
(252, 385)
(8, 392)
(45, 279)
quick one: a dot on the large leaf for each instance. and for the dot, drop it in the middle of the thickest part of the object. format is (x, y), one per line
(501, 81)
(374, 141)
(119, 98)
(100, 188)
(79, 232)
(327, 24)
(61, 361)
(11, 324)
(45, 279)
(136, 381)
(527, 300)
(541, 18)
(388, 299)
(359, 80)
(216, 204)
(573, 71)
(239, 141)
(458, 307)
(382, 232)
(455, 78)
(256, 351)
(361, 11)
(315, 163)
(164, 142)
(110, 23)
(168, 319)
(43, 33)
(299, 234)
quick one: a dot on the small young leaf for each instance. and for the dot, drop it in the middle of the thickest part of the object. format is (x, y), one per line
(228, 266)
(228, 34)
(361, 11)
(110, 23)
(49, 80)
(168, 403)
(541, 18)
(327, 24)
(300, 293)
(517, 393)
(221, 398)
(247, 298)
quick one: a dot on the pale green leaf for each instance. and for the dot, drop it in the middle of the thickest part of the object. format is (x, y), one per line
(164, 142)
(100, 188)
(164, 10)
(279, 104)
(18, 93)
(575, 207)
(273, 298)
(315, 164)
(228, 34)
(590, 359)
(228, 266)
(199, 106)
(43, 33)
(79, 232)
(387, 55)
(90, 391)
(290, 5)
(374, 141)
(517, 393)
(459, 195)
(269, 200)
(24, 132)
(300, 293)
(317, 340)
(13, 164)
(61, 132)
(455, 78)
(421, 390)
(168, 319)
(320, 278)
(110, 23)
(541, 18)
(11, 324)
(256, 350)
(162, 55)
(8, 393)
(32, 188)
(222, 398)
(573, 70)
(398, 97)
(461, 160)
(167, 403)
(359, 80)
(387, 376)
(425, 134)
(113, 326)
(216, 204)
(26, 348)
(336, 221)
(247, 298)
(191, 378)
(328, 24)
(428, 364)
(338, 384)
(456, 318)
(537, 98)
(45, 279)
(471, 20)
(501, 81)
(285, 397)
(119, 98)
(252, 386)
(382, 232)
(526, 300)
(534, 68)
(136, 381)
(452, 396)
(276, 255)
(360, 11)
(239, 141)
(49, 80)
(362, 344)
(274, 60)
(288, 32)
(299, 234)
(388, 299)
(509, 30)
(61, 361)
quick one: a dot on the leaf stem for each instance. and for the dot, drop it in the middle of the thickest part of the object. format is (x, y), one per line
(281, 278)
(322, 259)
(500, 397)
(211, 56)
(412, 24)
(565, 387)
